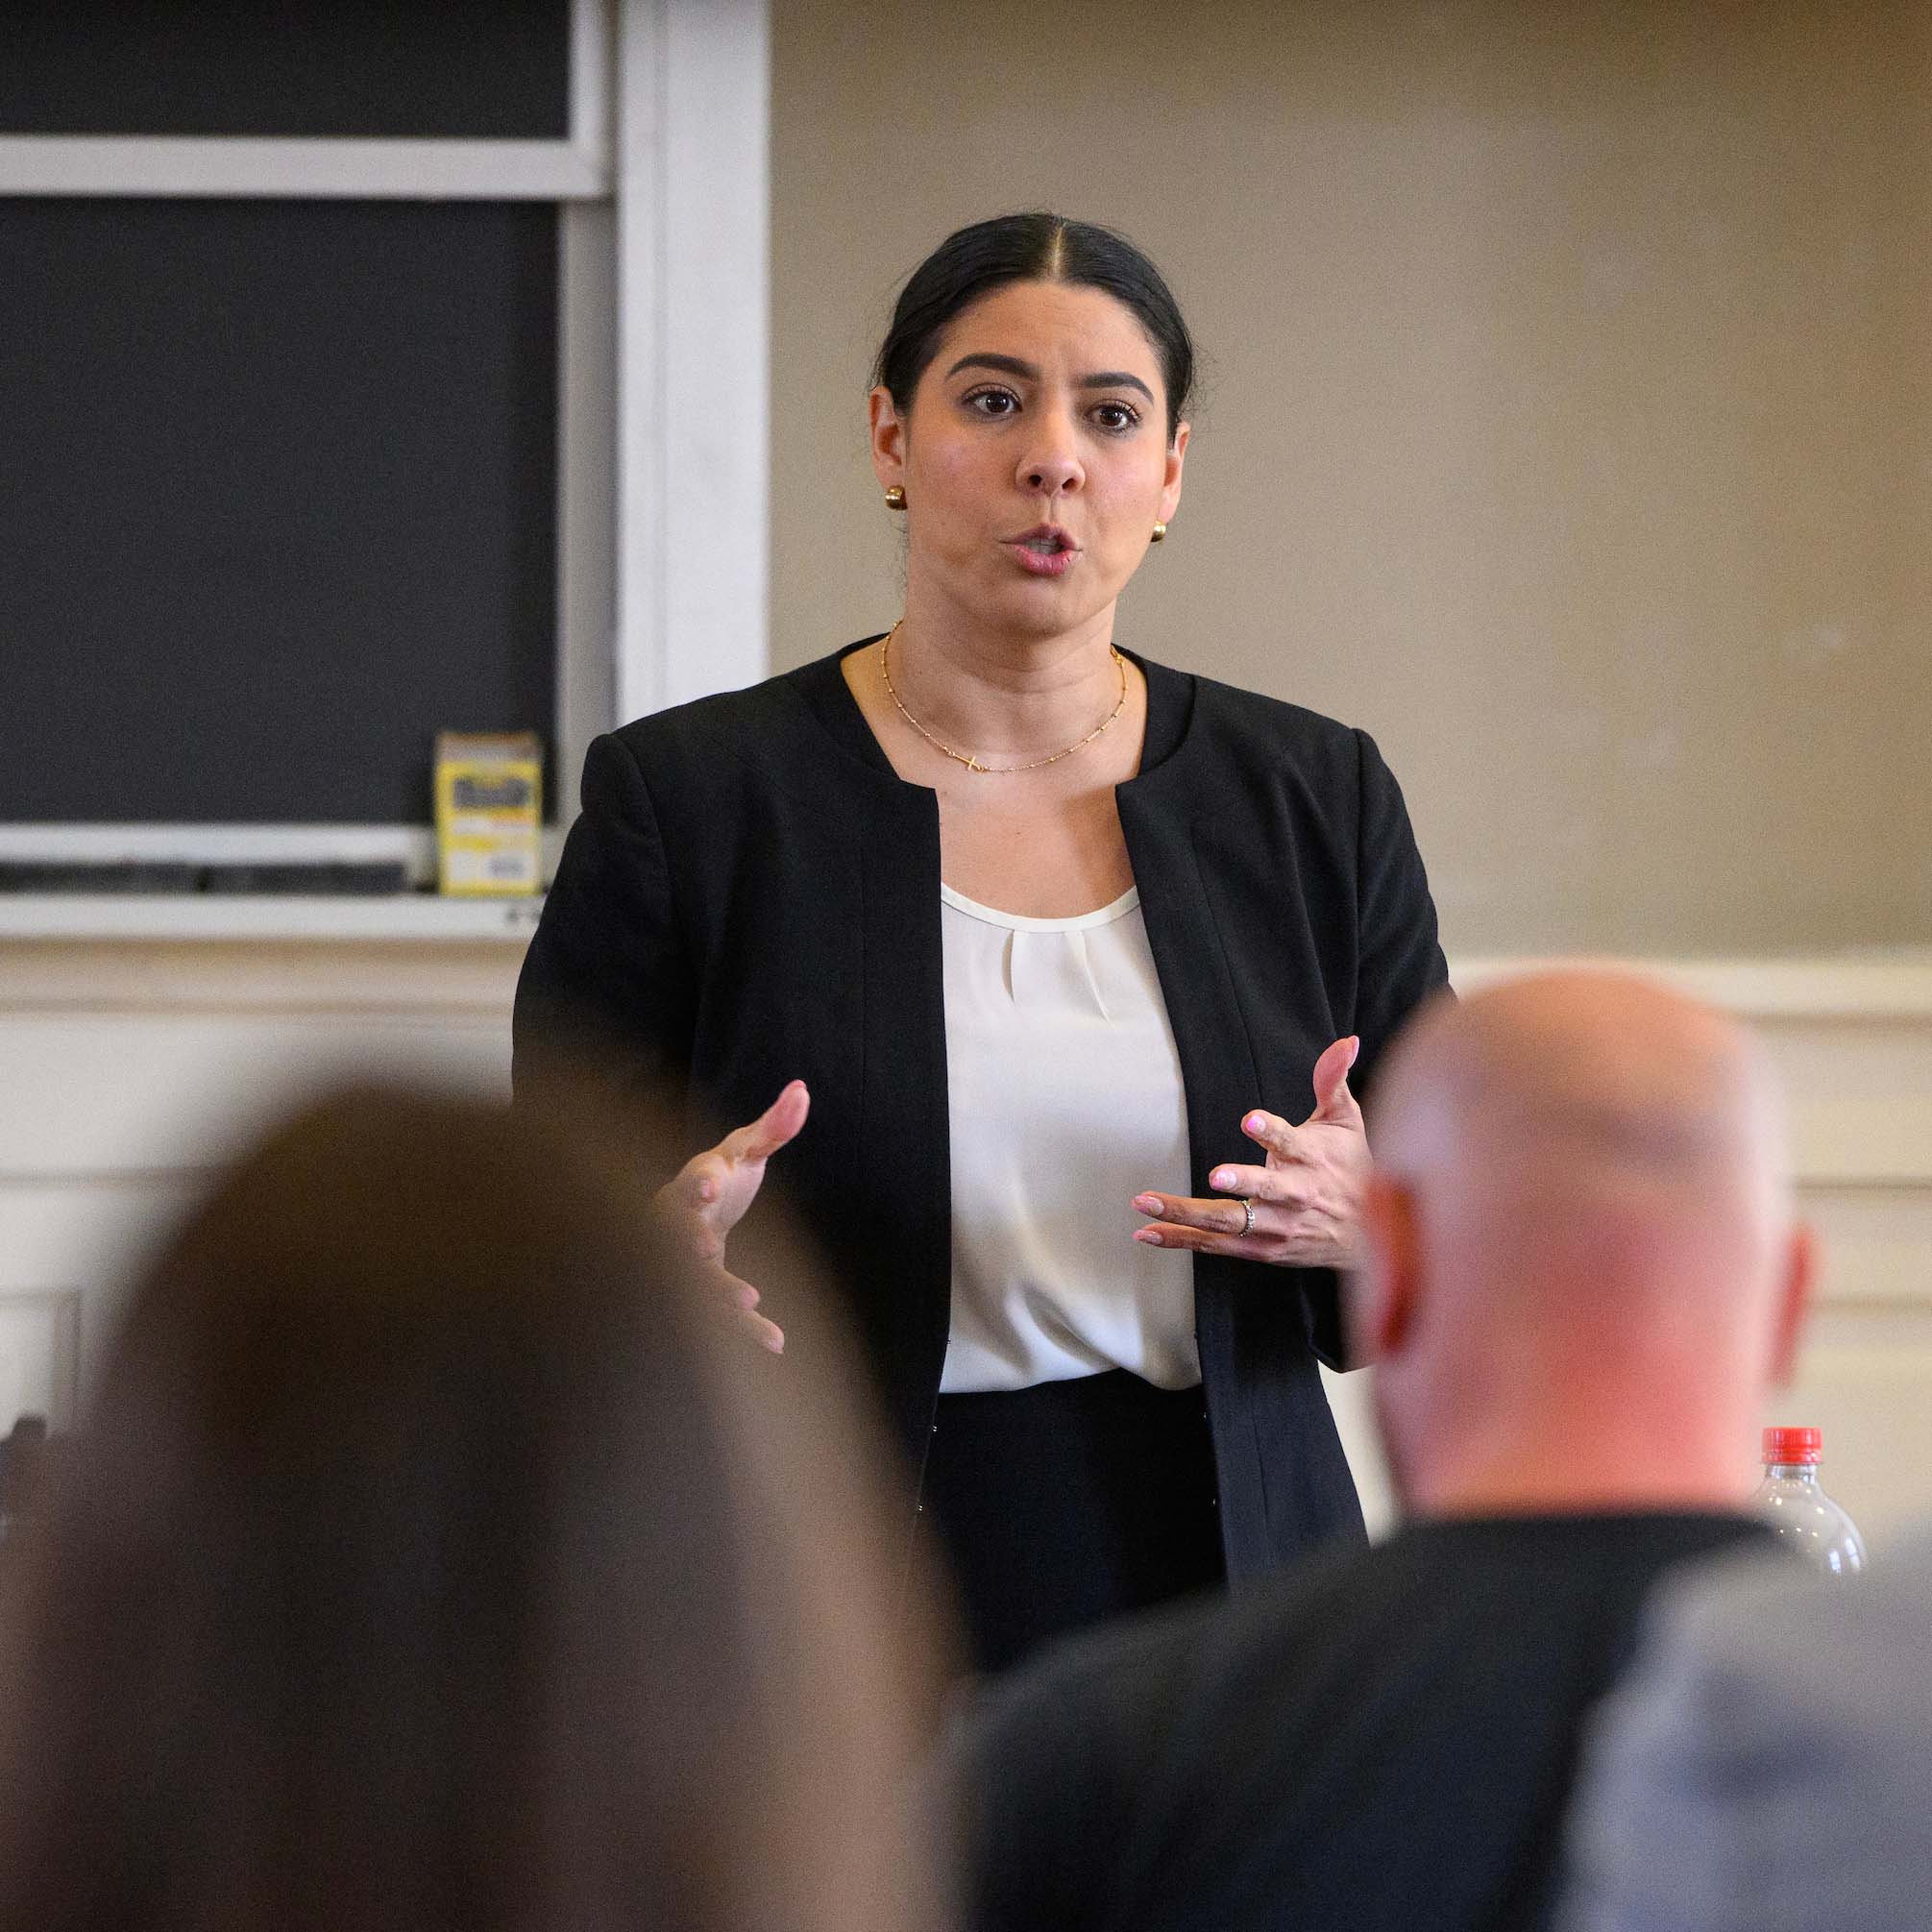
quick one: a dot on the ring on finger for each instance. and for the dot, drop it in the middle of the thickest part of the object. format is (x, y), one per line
(1248, 1211)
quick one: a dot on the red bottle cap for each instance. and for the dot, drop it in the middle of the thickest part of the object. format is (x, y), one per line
(1793, 1445)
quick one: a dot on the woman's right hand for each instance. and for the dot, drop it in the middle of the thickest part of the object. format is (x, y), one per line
(712, 1191)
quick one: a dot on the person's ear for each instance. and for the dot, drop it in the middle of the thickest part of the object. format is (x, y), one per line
(1387, 1281)
(888, 439)
(1170, 488)
(1793, 1301)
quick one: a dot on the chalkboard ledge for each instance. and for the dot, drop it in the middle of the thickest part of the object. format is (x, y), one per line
(406, 918)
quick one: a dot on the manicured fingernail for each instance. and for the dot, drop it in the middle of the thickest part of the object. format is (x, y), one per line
(1151, 1235)
(1146, 1204)
(1221, 1177)
(1252, 1124)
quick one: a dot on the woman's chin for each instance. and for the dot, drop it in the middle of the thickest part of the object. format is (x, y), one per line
(1048, 606)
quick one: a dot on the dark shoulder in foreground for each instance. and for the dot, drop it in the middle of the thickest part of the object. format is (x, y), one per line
(1370, 1730)
(1061, 1769)
(1163, 1654)
(1207, 1647)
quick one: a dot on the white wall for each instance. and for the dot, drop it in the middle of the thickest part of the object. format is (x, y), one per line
(1853, 1039)
(128, 1069)
(127, 1066)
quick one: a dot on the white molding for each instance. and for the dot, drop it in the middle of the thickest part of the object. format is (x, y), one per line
(717, 207)
(469, 978)
(241, 844)
(593, 34)
(197, 165)
(578, 168)
(57, 1312)
(225, 917)
(694, 215)
(1845, 987)
(586, 606)
(214, 845)
(639, 646)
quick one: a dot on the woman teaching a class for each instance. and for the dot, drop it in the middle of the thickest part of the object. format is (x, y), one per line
(1040, 970)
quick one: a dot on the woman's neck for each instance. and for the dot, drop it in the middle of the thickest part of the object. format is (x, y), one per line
(1005, 695)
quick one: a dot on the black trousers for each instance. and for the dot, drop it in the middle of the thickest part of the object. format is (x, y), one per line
(1070, 1503)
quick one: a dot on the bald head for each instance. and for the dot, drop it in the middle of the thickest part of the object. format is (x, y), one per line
(1582, 1081)
(1580, 1212)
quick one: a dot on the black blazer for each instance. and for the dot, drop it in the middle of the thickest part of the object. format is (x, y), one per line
(752, 894)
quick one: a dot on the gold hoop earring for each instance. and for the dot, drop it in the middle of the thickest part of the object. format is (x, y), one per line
(1159, 536)
(895, 497)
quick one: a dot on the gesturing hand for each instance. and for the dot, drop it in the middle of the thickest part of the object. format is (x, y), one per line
(1306, 1197)
(710, 1193)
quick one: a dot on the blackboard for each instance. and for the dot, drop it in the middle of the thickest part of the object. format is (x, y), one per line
(461, 70)
(278, 503)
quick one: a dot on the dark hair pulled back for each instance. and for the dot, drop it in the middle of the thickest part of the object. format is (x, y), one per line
(1032, 247)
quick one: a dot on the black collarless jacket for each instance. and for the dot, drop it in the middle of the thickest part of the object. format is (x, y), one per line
(752, 895)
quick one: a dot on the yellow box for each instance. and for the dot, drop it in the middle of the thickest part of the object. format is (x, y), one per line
(489, 814)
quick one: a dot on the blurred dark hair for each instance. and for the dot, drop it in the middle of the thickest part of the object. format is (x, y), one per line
(1036, 247)
(439, 1555)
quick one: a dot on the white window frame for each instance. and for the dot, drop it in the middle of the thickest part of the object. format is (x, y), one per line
(663, 341)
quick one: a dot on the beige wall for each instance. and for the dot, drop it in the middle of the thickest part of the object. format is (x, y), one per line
(1567, 423)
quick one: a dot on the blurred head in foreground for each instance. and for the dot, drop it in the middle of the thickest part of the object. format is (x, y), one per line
(1583, 1275)
(439, 1555)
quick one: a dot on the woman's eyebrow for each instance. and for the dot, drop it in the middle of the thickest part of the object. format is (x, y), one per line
(1012, 365)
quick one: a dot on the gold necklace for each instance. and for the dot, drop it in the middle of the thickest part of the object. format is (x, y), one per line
(971, 760)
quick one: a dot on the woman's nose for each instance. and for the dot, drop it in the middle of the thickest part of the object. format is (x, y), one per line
(1050, 468)
(1053, 476)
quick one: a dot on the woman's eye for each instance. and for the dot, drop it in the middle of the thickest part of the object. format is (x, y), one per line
(1116, 415)
(993, 401)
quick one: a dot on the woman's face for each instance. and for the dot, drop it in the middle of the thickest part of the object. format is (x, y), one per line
(1035, 460)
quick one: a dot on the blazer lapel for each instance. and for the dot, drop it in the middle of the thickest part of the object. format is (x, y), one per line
(1266, 1410)
(903, 1124)
(1217, 1070)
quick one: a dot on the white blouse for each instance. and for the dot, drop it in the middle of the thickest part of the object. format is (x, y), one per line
(1065, 1098)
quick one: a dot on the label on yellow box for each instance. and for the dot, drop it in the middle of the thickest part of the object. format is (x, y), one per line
(489, 813)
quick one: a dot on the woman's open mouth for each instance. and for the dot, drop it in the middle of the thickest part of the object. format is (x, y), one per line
(1047, 550)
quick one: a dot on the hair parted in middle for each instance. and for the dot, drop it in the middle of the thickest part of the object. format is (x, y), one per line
(973, 261)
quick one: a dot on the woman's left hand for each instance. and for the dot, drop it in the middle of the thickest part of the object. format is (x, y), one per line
(1307, 1197)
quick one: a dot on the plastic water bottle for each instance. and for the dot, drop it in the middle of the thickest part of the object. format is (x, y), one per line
(1808, 1521)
